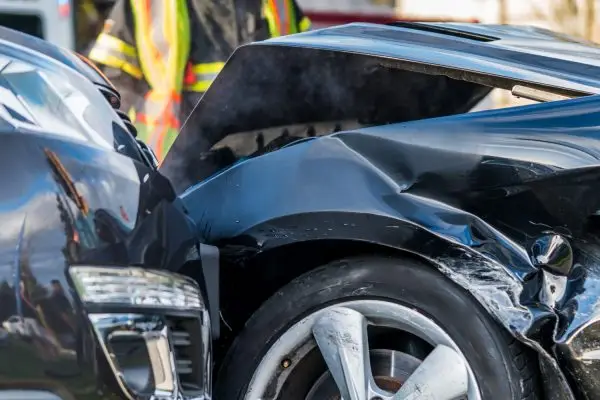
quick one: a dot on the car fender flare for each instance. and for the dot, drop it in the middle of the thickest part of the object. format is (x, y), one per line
(299, 192)
(492, 284)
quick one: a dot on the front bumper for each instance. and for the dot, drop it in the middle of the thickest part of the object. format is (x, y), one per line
(153, 328)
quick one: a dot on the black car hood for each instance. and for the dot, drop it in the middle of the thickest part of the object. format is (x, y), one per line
(377, 75)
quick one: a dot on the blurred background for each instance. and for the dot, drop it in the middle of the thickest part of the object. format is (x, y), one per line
(75, 24)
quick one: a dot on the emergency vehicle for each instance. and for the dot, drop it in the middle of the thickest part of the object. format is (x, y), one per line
(71, 24)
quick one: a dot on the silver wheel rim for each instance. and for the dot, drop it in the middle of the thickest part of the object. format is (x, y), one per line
(340, 333)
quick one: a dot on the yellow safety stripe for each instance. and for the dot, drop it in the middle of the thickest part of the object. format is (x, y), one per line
(169, 138)
(304, 24)
(132, 114)
(162, 34)
(143, 24)
(204, 75)
(115, 53)
(200, 87)
(179, 31)
(281, 16)
(111, 42)
(208, 68)
(159, 119)
(290, 12)
(103, 57)
(270, 17)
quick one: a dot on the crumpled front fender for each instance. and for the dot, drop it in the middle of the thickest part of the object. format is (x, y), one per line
(326, 189)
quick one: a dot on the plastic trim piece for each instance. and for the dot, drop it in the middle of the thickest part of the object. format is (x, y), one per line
(209, 256)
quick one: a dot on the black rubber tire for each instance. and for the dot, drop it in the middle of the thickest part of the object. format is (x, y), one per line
(505, 369)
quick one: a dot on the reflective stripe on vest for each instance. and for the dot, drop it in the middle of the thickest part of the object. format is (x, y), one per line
(162, 35)
(158, 106)
(304, 24)
(281, 18)
(157, 121)
(202, 75)
(115, 53)
(168, 137)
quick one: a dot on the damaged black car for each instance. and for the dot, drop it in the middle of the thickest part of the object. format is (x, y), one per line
(353, 224)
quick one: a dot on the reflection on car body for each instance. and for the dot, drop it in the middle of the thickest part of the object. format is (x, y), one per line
(468, 193)
(79, 191)
(350, 193)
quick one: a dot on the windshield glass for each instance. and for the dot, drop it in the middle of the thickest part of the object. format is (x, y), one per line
(40, 94)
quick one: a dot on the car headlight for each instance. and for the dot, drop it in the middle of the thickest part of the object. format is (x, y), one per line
(153, 327)
(136, 287)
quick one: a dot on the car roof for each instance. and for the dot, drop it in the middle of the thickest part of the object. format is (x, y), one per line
(521, 53)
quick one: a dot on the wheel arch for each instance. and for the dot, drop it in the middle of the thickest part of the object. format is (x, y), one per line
(271, 254)
(263, 271)
(251, 268)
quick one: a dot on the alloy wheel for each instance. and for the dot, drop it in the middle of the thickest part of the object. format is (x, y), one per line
(355, 371)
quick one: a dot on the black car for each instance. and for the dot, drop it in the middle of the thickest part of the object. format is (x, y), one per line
(377, 237)
(91, 306)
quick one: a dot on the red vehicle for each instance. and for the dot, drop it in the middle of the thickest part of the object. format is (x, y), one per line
(322, 19)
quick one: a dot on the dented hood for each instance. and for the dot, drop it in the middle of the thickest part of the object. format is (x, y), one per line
(379, 74)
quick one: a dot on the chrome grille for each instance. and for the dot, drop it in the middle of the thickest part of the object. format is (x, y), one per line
(187, 349)
(181, 342)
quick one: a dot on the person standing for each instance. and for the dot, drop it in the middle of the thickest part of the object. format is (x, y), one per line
(162, 55)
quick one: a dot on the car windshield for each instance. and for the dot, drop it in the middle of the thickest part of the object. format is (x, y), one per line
(39, 94)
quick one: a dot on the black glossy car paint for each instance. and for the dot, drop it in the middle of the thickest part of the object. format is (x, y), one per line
(72, 198)
(470, 193)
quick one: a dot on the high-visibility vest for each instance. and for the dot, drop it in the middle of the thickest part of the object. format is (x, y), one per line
(282, 19)
(161, 58)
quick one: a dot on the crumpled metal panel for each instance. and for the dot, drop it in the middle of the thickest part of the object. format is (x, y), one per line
(378, 74)
(469, 193)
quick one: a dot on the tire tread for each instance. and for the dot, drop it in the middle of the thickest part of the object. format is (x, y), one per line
(523, 359)
(525, 362)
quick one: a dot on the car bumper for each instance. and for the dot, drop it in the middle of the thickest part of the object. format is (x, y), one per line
(153, 329)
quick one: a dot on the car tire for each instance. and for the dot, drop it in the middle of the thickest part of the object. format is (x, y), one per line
(504, 369)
